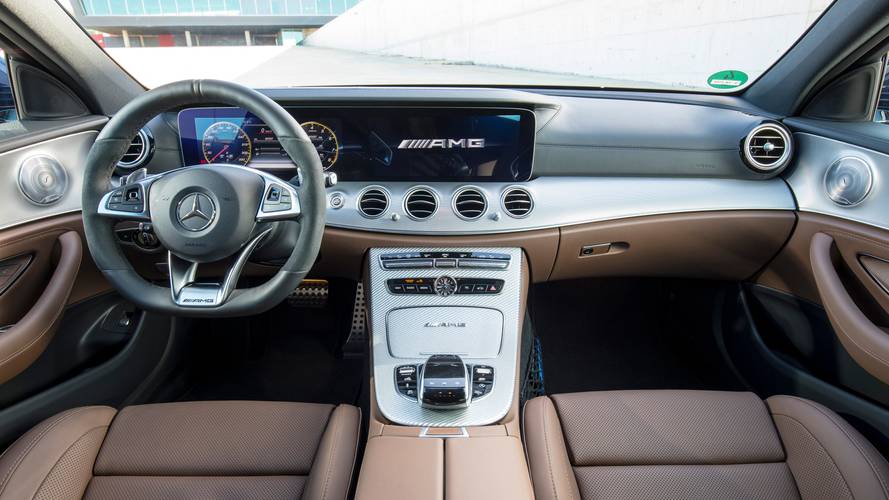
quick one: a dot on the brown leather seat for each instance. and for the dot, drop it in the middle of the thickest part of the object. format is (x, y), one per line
(224, 449)
(696, 445)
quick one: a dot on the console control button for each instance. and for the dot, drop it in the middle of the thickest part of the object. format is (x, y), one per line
(412, 286)
(445, 260)
(408, 264)
(406, 380)
(483, 264)
(479, 286)
(445, 286)
(482, 380)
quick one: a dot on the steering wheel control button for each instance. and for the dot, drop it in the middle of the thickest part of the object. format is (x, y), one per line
(277, 199)
(129, 199)
(196, 211)
(445, 286)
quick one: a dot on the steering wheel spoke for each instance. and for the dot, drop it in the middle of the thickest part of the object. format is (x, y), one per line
(280, 200)
(128, 201)
(187, 291)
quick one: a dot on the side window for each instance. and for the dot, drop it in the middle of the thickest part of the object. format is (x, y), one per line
(7, 102)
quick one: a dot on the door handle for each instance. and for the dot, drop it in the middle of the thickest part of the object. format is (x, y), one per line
(867, 343)
(22, 343)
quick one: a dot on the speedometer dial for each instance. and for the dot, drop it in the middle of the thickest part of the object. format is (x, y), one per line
(325, 142)
(225, 142)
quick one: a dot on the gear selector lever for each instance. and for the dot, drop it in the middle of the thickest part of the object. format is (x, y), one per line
(444, 382)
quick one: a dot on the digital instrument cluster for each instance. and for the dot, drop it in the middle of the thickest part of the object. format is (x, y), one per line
(373, 144)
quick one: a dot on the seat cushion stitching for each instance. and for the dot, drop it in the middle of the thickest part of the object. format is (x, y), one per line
(4, 483)
(549, 461)
(837, 467)
(330, 459)
(354, 452)
(850, 439)
(66, 452)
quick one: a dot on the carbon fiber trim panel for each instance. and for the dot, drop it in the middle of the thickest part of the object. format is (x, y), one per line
(484, 411)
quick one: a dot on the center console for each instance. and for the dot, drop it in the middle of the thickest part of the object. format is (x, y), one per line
(445, 333)
(445, 329)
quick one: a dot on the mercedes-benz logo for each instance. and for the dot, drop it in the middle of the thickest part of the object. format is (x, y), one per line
(196, 211)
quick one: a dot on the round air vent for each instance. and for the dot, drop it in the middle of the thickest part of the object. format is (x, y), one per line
(139, 151)
(42, 179)
(517, 202)
(373, 202)
(767, 148)
(470, 203)
(420, 203)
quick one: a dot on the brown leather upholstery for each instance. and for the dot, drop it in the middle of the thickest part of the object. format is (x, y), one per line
(237, 449)
(696, 445)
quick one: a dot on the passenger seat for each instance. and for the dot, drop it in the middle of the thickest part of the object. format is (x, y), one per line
(696, 445)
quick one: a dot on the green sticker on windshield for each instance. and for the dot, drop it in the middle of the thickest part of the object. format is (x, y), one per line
(727, 79)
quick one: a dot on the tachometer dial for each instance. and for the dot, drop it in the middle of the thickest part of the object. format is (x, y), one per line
(225, 142)
(325, 142)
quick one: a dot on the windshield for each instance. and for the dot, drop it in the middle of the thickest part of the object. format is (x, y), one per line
(696, 45)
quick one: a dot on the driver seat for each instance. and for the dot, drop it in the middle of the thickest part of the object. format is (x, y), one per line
(214, 449)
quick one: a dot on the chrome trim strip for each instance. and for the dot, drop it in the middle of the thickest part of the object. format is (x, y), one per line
(424, 433)
(565, 201)
(814, 156)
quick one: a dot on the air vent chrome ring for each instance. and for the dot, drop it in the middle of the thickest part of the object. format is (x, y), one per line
(420, 203)
(469, 203)
(138, 152)
(517, 202)
(776, 138)
(373, 201)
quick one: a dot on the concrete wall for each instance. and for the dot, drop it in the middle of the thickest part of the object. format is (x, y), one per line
(661, 41)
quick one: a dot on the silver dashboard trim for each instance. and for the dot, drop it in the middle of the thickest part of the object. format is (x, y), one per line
(814, 156)
(566, 201)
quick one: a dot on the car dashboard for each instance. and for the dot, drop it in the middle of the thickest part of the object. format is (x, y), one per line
(444, 161)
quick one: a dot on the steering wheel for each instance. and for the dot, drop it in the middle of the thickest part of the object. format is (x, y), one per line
(203, 213)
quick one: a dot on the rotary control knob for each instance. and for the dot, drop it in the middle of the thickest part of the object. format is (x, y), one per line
(445, 286)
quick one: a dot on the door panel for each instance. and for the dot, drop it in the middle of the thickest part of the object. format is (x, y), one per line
(56, 273)
(867, 342)
(23, 341)
(825, 260)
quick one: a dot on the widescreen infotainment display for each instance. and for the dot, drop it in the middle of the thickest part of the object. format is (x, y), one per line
(373, 144)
